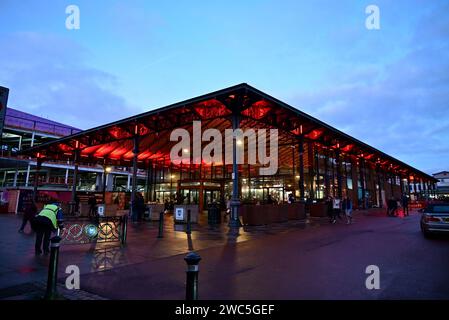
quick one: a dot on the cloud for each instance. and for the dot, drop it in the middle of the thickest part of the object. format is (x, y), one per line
(402, 107)
(47, 76)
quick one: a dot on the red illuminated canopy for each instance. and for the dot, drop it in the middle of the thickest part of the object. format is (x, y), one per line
(113, 143)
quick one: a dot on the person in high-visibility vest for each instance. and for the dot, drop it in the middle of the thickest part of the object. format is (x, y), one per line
(44, 224)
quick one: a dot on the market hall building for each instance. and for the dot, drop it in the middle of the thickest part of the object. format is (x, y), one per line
(315, 160)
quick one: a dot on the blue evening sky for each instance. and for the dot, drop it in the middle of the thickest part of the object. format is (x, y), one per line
(387, 87)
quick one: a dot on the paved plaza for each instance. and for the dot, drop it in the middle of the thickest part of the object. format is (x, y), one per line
(308, 259)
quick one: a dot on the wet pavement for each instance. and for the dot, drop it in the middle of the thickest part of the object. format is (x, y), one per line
(294, 260)
(19, 265)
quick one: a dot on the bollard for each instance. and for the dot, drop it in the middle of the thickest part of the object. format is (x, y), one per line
(189, 226)
(161, 225)
(60, 226)
(192, 260)
(124, 229)
(51, 292)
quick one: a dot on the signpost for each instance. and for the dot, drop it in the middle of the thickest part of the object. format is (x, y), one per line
(100, 210)
(179, 214)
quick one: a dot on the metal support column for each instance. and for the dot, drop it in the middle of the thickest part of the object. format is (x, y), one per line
(74, 182)
(414, 189)
(401, 184)
(27, 178)
(408, 186)
(424, 184)
(301, 169)
(128, 182)
(16, 174)
(311, 170)
(134, 181)
(380, 186)
(36, 179)
(149, 182)
(362, 181)
(293, 168)
(392, 178)
(327, 185)
(234, 221)
(66, 177)
(317, 159)
(339, 182)
(249, 181)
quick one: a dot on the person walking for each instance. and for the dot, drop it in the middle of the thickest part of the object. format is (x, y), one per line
(390, 207)
(92, 202)
(405, 205)
(28, 215)
(395, 207)
(347, 207)
(45, 223)
(166, 206)
(228, 208)
(336, 209)
(330, 209)
(291, 198)
(140, 206)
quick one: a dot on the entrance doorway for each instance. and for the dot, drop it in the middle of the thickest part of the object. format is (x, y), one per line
(201, 192)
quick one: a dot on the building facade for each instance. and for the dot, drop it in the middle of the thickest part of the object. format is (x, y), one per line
(315, 160)
(21, 131)
(442, 190)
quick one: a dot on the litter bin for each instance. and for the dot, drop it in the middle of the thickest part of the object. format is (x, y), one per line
(213, 214)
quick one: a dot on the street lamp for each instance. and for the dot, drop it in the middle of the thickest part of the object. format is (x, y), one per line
(106, 170)
(172, 176)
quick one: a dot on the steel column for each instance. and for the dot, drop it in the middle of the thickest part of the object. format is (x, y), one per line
(36, 179)
(317, 159)
(339, 182)
(234, 221)
(391, 184)
(74, 182)
(27, 178)
(134, 180)
(414, 188)
(326, 173)
(381, 203)
(16, 174)
(301, 168)
(401, 184)
(311, 169)
(362, 181)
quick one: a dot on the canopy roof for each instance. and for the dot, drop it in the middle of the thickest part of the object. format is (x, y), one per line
(112, 143)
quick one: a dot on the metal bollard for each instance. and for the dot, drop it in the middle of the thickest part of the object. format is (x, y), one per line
(161, 225)
(51, 292)
(124, 229)
(192, 260)
(189, 226)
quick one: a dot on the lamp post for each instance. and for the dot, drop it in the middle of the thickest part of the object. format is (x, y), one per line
(106, 170)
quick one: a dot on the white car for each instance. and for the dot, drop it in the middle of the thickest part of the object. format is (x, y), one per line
(435, 219)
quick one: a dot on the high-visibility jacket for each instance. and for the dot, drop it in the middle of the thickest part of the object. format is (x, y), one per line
(50, 211)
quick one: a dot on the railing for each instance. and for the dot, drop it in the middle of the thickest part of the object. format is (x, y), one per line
(80, 230)
(39, 126)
